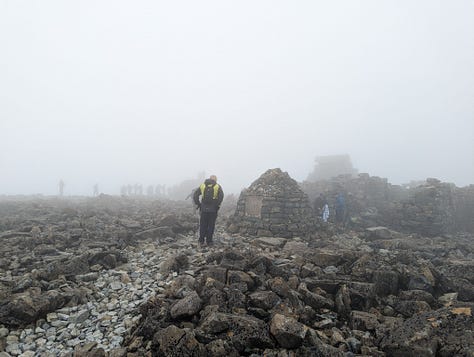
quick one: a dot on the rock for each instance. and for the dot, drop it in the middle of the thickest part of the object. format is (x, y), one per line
(173, 341)
(263, 299)
(295, 247)
(314, 300)
(221, 348)
(434, 333)
(69, 268)
(271, 241)
(232, 259)
(87, 277)
(188, 306)
(379, 233)
(280, 287)
(324, 258)
(26, 308)
(175, 263)
(287, 331)
(385, 282)
(182, 286)
(343, 302)
(448, 299)
(4, 332)
(245, 331)
(417, 295)
(409, 308)
(361, 320)
(234, 276)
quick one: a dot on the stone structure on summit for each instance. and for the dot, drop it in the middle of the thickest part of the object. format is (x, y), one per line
(273, 205)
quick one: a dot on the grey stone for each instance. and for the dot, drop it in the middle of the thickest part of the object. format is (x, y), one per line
(287, 331)
(188, 306)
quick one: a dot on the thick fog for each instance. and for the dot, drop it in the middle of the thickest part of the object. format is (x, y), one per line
(119, 92)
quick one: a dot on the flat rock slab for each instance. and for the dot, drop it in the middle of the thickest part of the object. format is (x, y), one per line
(272, 241)
(379, 232)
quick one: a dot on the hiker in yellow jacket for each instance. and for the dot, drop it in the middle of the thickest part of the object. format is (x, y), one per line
(212, 196)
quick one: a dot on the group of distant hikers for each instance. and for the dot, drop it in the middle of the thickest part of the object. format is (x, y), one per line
(321, 206)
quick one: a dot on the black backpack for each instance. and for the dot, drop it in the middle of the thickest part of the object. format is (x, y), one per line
(208, 194)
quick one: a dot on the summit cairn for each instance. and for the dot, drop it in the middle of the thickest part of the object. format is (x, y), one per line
(273, 205)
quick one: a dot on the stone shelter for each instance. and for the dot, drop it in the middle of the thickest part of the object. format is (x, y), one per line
(273, 205)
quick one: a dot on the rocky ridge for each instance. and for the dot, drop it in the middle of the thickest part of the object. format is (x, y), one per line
(126, 278)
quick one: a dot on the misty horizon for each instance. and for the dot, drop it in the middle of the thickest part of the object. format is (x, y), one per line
(119, 93)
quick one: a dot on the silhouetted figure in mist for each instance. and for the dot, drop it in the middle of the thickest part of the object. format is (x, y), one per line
(212, 196)
(340, 208)
(159, 190)
(319, 203)
(61, 187)
(96, 190)
(149, 191)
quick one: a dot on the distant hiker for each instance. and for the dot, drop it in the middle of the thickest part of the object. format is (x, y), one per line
(212, 196)
(340, 208)
(325, 214)
(61, 187)
(96, 190)
(149, 191)
(319, 203)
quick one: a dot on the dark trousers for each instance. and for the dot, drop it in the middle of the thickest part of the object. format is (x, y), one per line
(206, 226)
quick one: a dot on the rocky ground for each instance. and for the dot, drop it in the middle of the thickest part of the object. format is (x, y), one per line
(124, 277)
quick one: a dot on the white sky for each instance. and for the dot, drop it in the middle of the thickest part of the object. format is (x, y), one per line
(120, 92)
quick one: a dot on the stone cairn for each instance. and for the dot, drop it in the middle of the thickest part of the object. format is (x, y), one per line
(273, 205)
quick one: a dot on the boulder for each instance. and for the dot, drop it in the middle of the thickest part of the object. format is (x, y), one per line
(288, 332)
(263, 299)
(361, 320)
(186, 307)
(27, 307)
(173, 341)
(433, 333)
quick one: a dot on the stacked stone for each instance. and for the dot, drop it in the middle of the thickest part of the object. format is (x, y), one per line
(273, 205)
(430, 209)
(464, 209)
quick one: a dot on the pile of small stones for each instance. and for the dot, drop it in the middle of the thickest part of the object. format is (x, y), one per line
(105, 319)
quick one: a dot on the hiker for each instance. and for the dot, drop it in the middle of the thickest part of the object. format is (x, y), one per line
(340, 208)
(325, 214)
(212, 196)
(149, 191)
(319, 203)
(61, 187)
(96, 190)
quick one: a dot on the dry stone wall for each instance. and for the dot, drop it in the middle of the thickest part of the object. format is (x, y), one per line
(431, 208)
